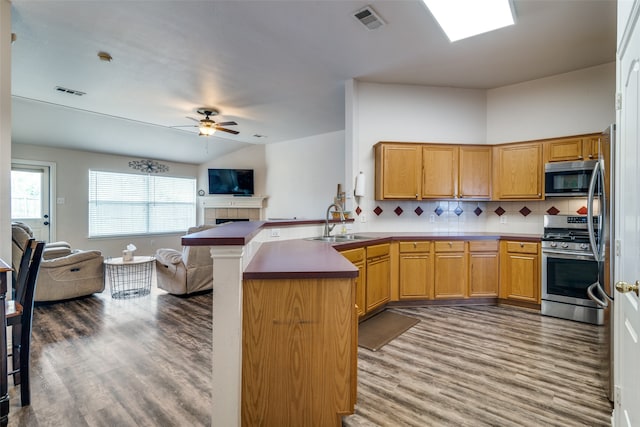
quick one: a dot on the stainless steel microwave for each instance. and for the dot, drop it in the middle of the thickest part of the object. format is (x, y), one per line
(568, 178)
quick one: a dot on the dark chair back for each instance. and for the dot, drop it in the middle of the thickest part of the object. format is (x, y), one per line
(20, 276)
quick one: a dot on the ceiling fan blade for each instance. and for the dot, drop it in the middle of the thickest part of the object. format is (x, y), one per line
(184, 126)
(226, 124)
(234, 132)
(194, 119)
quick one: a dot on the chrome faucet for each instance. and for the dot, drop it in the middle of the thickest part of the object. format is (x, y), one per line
(327, 228)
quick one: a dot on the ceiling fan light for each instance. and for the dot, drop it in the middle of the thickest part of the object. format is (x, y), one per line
(206, 130)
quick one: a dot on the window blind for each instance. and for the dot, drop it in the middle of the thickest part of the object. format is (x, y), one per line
(122, 204)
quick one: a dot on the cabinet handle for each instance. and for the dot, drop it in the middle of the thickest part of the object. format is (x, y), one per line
(415, 245)
(521, 245)
(539, 195)
(591, 156)
(416, 195)
(450, 244)
(580, 157)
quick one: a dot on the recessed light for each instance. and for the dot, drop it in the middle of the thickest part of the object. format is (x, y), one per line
(460, 19)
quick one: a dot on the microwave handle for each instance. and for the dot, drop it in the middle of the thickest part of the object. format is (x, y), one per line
(590, 197)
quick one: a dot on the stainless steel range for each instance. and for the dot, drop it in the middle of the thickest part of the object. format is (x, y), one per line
(569, 267)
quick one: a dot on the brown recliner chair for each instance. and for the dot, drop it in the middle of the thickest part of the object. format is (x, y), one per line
(64, 273)
(186, 272)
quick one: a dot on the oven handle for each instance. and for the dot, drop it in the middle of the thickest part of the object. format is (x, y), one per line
(569, 255)
(604, 303)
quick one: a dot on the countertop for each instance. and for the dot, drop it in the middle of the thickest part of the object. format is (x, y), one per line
(300, 258)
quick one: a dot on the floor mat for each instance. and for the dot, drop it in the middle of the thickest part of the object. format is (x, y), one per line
(377, 331)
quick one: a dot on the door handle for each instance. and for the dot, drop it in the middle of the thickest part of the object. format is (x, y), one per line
(46, 223)
(628, 287)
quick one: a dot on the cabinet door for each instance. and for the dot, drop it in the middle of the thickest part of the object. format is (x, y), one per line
(450, 275)
(398, 171)
(563, 150)
(474, 179)
(590, 147)
(439, 171)
(523, 278)
(483, 274)
(518, 171)
(378, 290)
(358, 259)
(416, 270)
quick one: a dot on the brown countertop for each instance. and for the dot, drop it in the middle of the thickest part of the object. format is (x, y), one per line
(291, 259)
(301, 258)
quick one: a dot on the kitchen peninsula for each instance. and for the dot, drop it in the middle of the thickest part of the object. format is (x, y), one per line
(284, 311)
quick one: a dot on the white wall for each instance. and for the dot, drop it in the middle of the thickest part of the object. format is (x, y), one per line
(5, 130)
(72, 167)
(566, 104)
(303, 174)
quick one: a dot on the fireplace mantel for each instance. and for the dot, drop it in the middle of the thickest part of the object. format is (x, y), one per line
(230, 207)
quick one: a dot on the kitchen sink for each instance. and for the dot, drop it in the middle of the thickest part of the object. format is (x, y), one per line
(339, 238)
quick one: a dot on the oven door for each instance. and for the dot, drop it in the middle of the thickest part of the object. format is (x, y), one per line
(567, 275)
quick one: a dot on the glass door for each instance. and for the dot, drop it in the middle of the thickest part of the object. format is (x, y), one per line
(30, 198)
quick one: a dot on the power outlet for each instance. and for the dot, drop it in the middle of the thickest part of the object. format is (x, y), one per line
(275, 232)
(503, 219)
(363, 218)
(432, 218)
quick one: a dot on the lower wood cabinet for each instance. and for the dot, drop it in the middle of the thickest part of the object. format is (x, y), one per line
(415, 270)
(378, 290)
(358, 258)
(484, 273)
(520, 271)
(450, 269)
(308, 330)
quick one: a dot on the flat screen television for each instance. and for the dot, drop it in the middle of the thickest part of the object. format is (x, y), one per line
(238, 182)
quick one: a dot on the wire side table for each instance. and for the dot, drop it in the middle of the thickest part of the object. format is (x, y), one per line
(128, 279)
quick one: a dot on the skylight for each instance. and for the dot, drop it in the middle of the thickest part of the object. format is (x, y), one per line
(460, 19)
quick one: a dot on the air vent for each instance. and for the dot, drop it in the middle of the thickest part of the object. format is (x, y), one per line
(369, 18)
(69, 91)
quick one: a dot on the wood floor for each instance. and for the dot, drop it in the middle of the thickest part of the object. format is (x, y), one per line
(146, 362)
(483, 366)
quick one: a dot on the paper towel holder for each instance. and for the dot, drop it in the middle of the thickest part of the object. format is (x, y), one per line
(358, 190)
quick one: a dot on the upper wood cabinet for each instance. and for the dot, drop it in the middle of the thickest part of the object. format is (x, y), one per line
(398, 171)
(572, 149)
(439, 171)
(474, 172)
(518, 171)
(432, 171)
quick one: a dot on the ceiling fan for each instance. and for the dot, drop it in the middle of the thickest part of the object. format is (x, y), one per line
(206, 126)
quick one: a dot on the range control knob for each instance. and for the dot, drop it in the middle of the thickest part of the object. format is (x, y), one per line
(584, 246)
(565, 245)
(553, 244)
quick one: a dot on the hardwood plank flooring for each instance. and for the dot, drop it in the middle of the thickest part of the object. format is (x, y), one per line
(483, 366)
(146, 362)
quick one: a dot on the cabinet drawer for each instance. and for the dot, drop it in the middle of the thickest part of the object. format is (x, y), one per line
(450, 246)
(414, 247)
(377, 250)
(522, 247)
(483, 246)
(354, 255)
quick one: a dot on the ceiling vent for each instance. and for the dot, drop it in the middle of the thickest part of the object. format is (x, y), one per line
(69, 91)
(369, 18)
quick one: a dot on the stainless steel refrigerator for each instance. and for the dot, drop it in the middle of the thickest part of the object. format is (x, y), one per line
(600, 217)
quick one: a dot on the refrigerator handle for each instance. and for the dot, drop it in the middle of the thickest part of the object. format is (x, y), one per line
(604, 302)
(590, 196)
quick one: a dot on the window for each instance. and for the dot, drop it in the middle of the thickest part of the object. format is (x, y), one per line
(122, 204)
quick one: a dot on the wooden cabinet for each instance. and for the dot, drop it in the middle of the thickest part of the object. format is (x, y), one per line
(483, 268)
(398, 171)
(450, 279)
(439, 171)
(518, 171)
(415, 270)
(358, 258)
(474, 172)
(572, 149)
(432, 171)
(378, 291)
(308, 329)
(520, 271)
